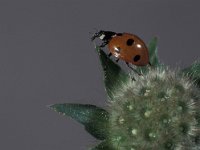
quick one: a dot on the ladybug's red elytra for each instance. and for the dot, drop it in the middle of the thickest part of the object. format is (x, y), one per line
(124, 46)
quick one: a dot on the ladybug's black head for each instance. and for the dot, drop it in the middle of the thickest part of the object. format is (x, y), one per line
(103, 35)
(97, 34)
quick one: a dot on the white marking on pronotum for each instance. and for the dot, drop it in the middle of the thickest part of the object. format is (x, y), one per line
(102, 36)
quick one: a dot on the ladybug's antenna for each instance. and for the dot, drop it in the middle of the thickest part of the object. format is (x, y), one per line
(96, 30)
(133, 69)
(97, 34)
(90, 33)
(93, 34)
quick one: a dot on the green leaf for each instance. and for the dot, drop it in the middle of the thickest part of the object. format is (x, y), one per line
(103, 146)
(153, 52)
(193, 72)
(114, 76)
(94, 119)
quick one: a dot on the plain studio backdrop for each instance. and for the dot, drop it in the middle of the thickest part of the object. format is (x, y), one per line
(46, 57)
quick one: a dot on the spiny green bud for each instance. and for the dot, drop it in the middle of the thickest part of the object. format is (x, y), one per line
(157, 111)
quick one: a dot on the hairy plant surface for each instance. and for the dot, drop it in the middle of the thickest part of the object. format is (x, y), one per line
(158, 110)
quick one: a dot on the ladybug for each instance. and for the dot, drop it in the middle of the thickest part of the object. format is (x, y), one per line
(124, 46)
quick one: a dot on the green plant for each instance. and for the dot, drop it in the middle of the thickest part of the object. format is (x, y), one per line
(159, 110)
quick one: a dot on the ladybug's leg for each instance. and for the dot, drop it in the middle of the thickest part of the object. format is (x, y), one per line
(129, 66)
(133, 69)
(110, 54)
(133, 79)
(150, 64)
(117, 60)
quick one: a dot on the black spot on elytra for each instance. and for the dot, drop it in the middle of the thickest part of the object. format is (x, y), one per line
(130, 42)
(136, 58)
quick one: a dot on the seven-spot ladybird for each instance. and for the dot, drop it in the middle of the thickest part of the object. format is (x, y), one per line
(125, 46)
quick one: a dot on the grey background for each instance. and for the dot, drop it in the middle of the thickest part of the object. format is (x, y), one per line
(46, 57)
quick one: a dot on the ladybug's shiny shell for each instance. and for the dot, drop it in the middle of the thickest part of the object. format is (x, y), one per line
(129, 48)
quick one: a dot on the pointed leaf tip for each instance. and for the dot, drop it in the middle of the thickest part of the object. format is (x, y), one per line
(153, 52)
(50, 106)
(193, 72)
(94, 119)
(114, 76)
